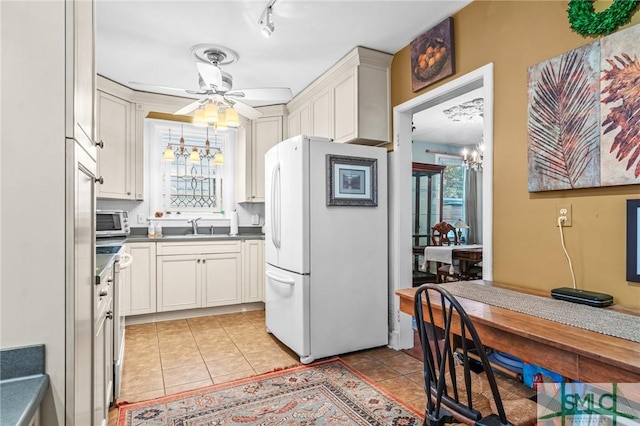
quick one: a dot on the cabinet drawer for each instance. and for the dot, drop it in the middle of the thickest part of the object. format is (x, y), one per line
(200, 247)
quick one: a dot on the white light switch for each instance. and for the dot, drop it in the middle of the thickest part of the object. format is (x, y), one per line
(141, 218)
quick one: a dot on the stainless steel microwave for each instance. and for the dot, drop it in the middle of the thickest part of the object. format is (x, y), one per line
(112, 223)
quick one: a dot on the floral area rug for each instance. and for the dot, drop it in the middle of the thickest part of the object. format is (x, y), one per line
(324, 393)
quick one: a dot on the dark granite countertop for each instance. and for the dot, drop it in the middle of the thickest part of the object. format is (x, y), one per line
(23, 384)
(103, 262)
(204, 234)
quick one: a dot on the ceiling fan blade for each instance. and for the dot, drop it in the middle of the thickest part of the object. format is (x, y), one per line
(265, 94)
(148, 86)
(247, 111)
(211, 74)
(187, 109)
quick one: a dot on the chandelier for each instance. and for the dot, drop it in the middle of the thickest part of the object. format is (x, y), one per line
(192, 153)
(217, 115)
(473, 159)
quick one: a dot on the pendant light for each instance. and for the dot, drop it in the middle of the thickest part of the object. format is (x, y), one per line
(218, 158)
(195, 156)
(168, 153)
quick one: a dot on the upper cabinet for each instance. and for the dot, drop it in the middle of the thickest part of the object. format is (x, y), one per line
(80, 111)
(350, 103)
(116, 159)
(254, 140)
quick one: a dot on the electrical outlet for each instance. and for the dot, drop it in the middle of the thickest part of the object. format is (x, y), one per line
(255, 219)
(563, 210)
(141, 219)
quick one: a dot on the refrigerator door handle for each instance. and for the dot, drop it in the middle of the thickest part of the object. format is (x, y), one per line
(279, 207)
(274, 201)
(283, 280)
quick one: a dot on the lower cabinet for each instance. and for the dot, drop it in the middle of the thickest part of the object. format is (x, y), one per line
(140, 279)
(253, 271)
(198, 275)
(103, 362)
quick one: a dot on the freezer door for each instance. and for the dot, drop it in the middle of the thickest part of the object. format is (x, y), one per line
(287, 205)
(287, 308)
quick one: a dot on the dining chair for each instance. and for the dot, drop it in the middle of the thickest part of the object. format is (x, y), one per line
(456, 393)
(439, 237)
(440, 234)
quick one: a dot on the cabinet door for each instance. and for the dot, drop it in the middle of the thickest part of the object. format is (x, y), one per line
(345, 107)
(253, 267)
(321, 114)
(267, 132)
(294, 123)
(178, 282)
(221, 279)
(115, 158)
(140, 293)
(101, 358)
(83, 75)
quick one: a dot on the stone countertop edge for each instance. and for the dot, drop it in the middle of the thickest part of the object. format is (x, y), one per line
(199, 237)
(103, 262)
(23, 384)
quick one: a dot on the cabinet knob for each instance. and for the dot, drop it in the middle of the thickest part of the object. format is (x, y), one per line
(198, 260)
(110, 280)
(110, 315)
(100, 144)
(204, 260)
(99, 180)
(103, 293)
(128, 192)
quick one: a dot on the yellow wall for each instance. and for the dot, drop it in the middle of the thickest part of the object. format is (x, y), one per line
(527, 252)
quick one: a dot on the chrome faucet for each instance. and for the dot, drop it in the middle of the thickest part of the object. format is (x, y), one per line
(194, 225)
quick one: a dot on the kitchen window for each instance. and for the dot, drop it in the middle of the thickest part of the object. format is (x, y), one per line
(196, 176)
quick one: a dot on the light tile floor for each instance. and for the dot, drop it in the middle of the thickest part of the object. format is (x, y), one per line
(168, 357)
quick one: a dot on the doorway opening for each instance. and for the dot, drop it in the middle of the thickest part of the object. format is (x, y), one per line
(400, 159)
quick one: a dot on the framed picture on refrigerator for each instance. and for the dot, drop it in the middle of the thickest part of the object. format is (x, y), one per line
(352, 181)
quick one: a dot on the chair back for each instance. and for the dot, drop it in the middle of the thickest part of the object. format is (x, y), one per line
(449, 395)
(440, 234)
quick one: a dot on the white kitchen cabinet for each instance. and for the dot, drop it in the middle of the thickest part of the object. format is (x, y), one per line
(351, 102)
(266, 132)
(253, 271)
(320, 110)
(103, 353)
(179, 282)
(116, 159)
(221, 279)
(300, 120)
(140, 279)
(81, 120)
(202, 274)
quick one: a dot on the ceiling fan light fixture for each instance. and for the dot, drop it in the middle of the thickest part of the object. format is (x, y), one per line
(221, 124)
(199, 118)
(211, 113)
(231, 118)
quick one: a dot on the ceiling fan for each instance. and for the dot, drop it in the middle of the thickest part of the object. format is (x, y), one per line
(215, 86)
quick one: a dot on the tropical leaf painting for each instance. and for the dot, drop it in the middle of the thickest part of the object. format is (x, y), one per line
(584, 116)
(563, 125)
(620, 90)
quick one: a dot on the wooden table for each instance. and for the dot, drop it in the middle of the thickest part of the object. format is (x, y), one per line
(573, 352)
(466, 254)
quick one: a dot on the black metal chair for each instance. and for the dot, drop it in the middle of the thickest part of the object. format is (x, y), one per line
(455, 392)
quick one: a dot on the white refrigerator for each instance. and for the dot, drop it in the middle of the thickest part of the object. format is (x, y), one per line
(326, 234)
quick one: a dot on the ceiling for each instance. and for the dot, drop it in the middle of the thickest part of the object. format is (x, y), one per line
(149, 41)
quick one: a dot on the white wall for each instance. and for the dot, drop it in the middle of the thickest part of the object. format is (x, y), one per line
(32, 170)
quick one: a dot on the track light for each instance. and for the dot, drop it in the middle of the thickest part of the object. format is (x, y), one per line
(266, 20)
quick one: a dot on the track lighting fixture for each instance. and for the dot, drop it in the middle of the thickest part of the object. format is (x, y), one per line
(266, 20)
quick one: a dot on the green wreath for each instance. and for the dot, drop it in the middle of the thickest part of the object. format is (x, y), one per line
(586, 21)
